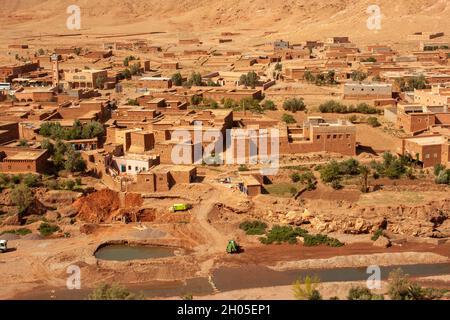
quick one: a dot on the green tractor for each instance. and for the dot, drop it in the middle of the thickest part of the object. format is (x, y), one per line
(232, 247)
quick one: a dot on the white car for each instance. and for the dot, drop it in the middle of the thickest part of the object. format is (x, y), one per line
(3, 245)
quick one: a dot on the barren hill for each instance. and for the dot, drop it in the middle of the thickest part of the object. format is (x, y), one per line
(294, 19)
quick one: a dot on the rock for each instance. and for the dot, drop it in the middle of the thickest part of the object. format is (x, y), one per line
(382, 241)
(12, 220)
(52, 215)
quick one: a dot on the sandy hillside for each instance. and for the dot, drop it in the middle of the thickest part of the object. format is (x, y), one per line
(293, 19)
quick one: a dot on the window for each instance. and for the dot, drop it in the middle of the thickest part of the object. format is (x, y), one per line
(129, 167)
(136, 168)
(147, 180)
(435, 155)
(328, 136)
(427, 156)
(348, 136)
(334, 136)
(318, 137)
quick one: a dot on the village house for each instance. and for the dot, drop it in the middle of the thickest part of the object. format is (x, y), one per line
(367, 91)
(23, 160)
(86, 78)
(430, 150)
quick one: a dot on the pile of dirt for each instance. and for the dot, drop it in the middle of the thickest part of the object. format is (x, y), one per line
(97, 207)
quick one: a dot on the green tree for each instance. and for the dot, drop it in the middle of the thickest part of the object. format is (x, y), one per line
(22, 197)
(177, 79)
(74, 162)
(196, 100)
(358, 75)
(278, 67)
(195, 79)
(294, 105)
(249, 80)
(100, 82)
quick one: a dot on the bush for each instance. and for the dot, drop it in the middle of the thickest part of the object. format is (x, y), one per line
(318, 239)
(294, 105)
(289, 119)
(31, 180)
(70, 184)
(280, 234)
(19, 232)
(268, 105)
(362, 293)
(113, 292)
(46, 229)
(253, 227)
(306, 289)
(22, 197)
(377, 234)
(295, 177)
(373, 122)
(336, 185)
(438, 168)
(443, 177)
(78, 181)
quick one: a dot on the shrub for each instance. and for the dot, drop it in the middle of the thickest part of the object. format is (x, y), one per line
(253, 227)
(70, 184)
(294, 105)
(268, 105)
(20, 231)
(373, 121)
(377, 234)
(306, 289)
(438, 168)
(46, 229)
(318, 239)
(22, 197)
(280, 234)
(398, 285)
(78, 181)
(362, 293)
(336, 185)
(31, 180)
(289, 119)
(113, 292)
(295, 177)
(132, 102)
(443, 177)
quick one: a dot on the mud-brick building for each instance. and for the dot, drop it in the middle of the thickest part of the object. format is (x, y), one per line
(429, 149)
(162, 178)
(318, 135)
(9, 131)
(84, 78)
(23, 160)
(367, 91)
(154, 83)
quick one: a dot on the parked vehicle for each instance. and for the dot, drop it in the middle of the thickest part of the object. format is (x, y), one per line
(3, 245)
(180, 207)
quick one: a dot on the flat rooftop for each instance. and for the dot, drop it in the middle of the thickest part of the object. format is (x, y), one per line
(426, 141)
(26, 155)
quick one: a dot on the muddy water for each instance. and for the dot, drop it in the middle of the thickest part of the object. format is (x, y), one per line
(235, 278)
(123, 252)
(253, 276)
